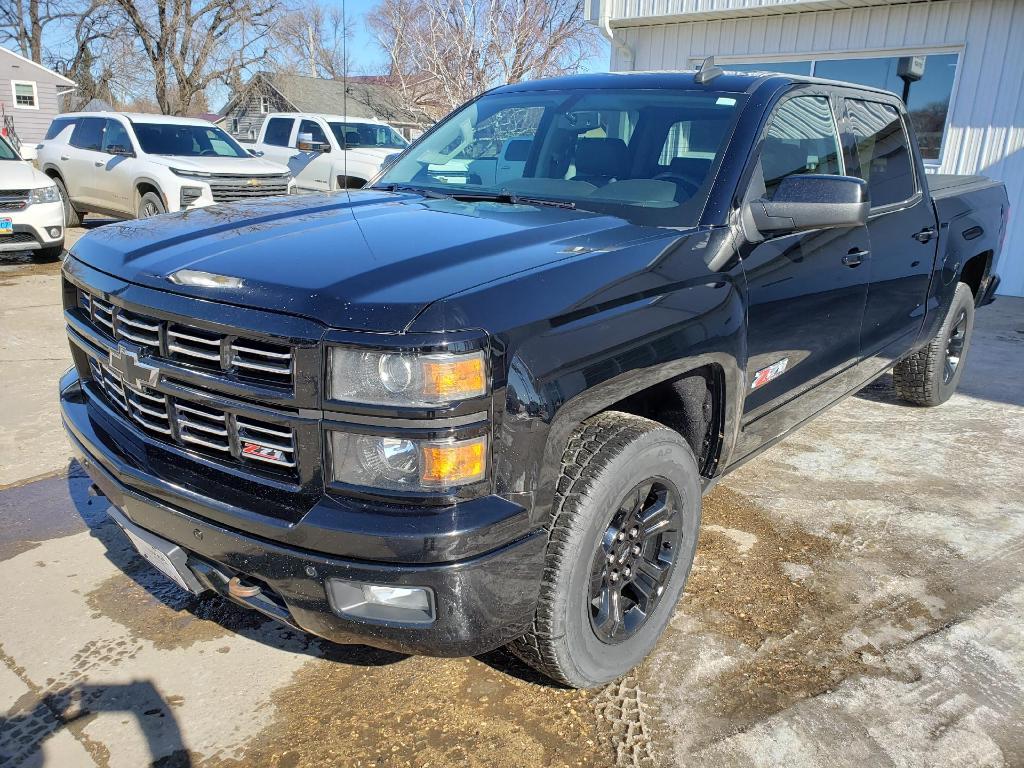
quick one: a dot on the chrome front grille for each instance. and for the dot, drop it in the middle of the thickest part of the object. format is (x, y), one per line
(226, 189)
(13, 199)
(240, 357)
(197, 426)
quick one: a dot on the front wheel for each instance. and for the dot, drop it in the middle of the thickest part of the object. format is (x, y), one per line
(620, 548)
(930, 376)
(151, 205)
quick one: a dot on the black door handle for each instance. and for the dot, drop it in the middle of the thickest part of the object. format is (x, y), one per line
(855, 257)
(925, 235)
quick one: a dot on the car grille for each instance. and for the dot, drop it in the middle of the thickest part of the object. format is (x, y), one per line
(196, 425)
(227, 189)
(18, 237)
(243, 358)
(13, 199)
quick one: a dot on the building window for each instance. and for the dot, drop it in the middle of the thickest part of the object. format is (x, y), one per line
(25, 95)
(264, 105)
(927, 98)
(234, 125)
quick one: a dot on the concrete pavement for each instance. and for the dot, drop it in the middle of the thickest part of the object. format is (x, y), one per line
(856, 601)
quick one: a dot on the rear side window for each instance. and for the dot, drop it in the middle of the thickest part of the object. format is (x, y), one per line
(881, 155)
(88, 133)
(801, 139)
(58, 125)
(279, 130)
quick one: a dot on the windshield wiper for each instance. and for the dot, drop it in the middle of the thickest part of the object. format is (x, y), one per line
(424, 191)
(512, 199)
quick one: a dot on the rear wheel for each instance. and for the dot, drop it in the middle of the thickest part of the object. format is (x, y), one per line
(620, 548)
(930, 376)
(72, 218)
(151, 205)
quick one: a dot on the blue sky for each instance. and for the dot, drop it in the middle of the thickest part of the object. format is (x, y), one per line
(367, 57)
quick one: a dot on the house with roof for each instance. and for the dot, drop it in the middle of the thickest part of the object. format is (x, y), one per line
(957, 63)
(30, 96)
(356, 97)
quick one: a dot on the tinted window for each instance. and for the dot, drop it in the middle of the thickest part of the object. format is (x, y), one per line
(7, 151)
(314, 130)
(927, 98)
(58, 125)
(88, 133)
(115, 136)
(185, 140)
(882, 155)
(279, 130)
(801, 139)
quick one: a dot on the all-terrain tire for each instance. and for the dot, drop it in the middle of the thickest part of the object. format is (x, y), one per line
(72, 218)
(605, 458)
(924, 378)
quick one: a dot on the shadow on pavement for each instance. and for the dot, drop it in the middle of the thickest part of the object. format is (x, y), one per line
(22, 735)
(209, 606)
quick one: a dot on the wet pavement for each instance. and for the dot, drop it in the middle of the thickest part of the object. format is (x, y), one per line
(856, 600)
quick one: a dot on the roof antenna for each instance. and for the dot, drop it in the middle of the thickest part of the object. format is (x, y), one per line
(344, 95)
(708, 71)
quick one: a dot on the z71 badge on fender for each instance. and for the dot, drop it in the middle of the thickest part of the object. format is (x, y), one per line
(770, 373)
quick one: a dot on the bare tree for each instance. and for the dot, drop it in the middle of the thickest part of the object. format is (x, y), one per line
(23, 22)
(443, 52)
(190, 45)
(312, 40)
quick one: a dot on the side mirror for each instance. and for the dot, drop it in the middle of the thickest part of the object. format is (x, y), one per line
(305, 143)
(255, 152)
(120, 150)
(813, 201)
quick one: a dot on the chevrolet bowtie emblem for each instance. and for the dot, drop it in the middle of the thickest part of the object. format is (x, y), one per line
(125, 361)
(253, 182)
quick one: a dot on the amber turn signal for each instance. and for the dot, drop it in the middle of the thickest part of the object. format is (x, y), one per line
(456, 463)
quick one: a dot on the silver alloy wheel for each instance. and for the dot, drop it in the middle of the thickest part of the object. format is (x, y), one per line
(149, 209)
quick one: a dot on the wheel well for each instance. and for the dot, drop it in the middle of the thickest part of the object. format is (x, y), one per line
(974, 270)
(53, 174)
(142, 188)
(351, 182)
(692, 404)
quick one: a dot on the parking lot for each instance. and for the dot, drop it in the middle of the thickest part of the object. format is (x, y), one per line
(856, 600)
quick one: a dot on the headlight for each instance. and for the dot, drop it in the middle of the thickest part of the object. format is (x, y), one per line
(405, 463)
(44, 195)
(191, 174)
(409, 379)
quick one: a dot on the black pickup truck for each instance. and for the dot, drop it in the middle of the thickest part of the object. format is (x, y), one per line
(477, 403)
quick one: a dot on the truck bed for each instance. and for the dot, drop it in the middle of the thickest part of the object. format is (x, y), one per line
(943, 185)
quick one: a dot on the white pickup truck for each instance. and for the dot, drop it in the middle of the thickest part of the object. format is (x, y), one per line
(328, 152)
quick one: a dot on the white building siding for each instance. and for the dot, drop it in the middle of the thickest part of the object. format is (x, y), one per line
(985, 127)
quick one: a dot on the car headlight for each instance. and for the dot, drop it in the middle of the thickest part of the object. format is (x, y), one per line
(44, 195)
(407, 463)
(191, 174)
(405, 378)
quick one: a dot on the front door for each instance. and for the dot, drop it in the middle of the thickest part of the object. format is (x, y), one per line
(902, 227)
(806, 295)
(115, 179)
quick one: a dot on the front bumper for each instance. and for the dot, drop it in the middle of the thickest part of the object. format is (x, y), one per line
(31, 227)
(481, 602)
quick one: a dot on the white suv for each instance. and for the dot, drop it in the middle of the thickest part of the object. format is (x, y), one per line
(31, 215)
(128, 166)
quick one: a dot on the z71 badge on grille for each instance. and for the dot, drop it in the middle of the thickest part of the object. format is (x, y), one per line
(264, 452)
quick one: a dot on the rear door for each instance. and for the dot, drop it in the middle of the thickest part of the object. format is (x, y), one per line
(902, 225)
(805, 304)
(79, 161)
(277, 139)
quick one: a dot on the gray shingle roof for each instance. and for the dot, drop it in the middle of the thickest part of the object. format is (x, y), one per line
(314, 94)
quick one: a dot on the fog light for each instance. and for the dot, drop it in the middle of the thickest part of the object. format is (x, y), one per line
(54, 232)
(381, 602)
(189, 195)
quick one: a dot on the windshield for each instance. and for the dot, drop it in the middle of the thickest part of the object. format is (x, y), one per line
(186, 140)
(368, 135)
(7, 152)
(647, 155)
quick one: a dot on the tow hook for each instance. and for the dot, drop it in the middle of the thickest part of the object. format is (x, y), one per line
(242, 591)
